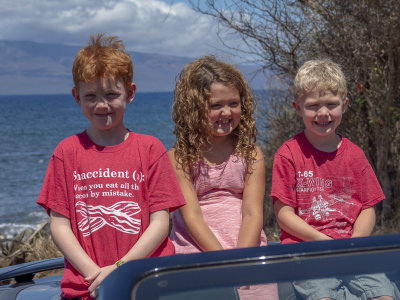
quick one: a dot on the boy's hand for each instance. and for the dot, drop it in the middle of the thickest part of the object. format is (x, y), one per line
(98, 277)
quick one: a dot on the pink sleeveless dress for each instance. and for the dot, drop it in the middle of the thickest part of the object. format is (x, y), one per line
(219, 191)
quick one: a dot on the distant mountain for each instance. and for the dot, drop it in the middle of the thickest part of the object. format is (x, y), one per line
(36, 68)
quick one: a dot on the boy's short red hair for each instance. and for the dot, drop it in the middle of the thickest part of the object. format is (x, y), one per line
(103, 57)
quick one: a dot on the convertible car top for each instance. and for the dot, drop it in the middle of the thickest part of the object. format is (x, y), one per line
(216, 275)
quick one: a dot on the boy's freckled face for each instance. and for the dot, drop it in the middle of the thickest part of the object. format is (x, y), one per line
(103, 102)
(321, 113)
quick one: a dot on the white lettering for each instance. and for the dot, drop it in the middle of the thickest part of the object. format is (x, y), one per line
(81, 196)
(107, 173)
(112, 193)
(80, 188)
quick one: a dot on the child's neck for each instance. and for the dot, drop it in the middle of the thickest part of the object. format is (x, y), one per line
(329, 143)
(219, 150)
(107, 137)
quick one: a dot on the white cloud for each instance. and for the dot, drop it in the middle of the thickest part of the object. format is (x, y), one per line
(147, 26)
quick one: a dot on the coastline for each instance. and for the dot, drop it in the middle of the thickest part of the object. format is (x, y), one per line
(29, 245)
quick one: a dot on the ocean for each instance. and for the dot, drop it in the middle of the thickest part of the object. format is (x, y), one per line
(32, 126)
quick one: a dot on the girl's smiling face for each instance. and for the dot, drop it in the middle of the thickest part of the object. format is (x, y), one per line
(225, 109)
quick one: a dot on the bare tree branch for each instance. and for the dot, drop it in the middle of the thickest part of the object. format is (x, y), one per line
(363, 36)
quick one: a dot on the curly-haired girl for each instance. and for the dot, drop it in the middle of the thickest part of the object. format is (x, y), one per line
(219, 167)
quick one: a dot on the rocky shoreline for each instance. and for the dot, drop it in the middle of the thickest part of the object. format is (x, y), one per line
(29, 245)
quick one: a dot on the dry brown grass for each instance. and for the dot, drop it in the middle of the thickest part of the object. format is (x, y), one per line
(30, 246)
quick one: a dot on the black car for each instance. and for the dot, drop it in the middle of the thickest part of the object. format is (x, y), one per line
(217, 275)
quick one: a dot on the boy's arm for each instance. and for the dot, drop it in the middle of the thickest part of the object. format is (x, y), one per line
(66, 241)
(148, 242)
(296, 226)
(191, 212)
(151, 238)
(252, 204)
(364, 223)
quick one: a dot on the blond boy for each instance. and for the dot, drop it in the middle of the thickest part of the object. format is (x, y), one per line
(323, 187)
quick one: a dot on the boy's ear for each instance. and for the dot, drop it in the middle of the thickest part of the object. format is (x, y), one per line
(296, 106)
(345, 103)
(131, 92)
(75, 94)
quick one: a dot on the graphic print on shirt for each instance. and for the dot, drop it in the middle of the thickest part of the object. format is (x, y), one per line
(322, 209)
(106, 198)
(321, 199)
(119, 216)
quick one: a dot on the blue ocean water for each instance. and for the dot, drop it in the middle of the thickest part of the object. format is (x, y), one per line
(32, 126)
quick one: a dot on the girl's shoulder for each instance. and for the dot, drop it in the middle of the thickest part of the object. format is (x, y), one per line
(171, 153)
(258, 153)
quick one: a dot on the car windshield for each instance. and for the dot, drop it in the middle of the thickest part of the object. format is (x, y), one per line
(347, 287)
(293, 277)
(350, 267)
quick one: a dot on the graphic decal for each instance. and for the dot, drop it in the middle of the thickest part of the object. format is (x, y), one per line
(119, 216)
(321, 209)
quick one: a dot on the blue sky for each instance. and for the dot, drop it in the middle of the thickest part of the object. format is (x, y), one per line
(155, 26)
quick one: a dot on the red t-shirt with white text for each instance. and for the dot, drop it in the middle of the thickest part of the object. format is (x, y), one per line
(327, 190)
(108, 193)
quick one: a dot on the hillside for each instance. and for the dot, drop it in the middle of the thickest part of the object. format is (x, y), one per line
(35, 68)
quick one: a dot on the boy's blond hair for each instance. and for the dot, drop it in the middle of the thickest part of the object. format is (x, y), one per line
(322, 75)
(103, 57)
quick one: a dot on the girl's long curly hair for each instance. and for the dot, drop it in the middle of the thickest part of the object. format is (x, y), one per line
(190, 111)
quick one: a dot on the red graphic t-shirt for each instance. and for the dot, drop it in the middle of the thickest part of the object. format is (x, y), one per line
(108, 193)
(327, 190)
